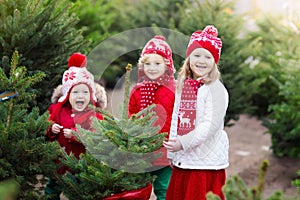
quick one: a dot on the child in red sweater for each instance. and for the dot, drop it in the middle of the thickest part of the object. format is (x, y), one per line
(156, 84)
(70, 107)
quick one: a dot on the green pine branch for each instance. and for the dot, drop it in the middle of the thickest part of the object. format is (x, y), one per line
(236, 189)
(24, 153)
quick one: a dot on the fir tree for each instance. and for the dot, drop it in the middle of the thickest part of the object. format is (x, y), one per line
(119, 154)
(272, 75)
(44, 34)
(273, 51)
(96, 19)
(236, 189)
(24, 153)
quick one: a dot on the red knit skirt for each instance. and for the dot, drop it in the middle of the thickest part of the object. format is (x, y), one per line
(193, 184)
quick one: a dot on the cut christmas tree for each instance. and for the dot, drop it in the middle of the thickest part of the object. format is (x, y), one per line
(119, 156)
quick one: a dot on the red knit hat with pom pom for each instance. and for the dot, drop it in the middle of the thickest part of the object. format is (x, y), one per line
(158, 45)
(76, 74)
(206, 39)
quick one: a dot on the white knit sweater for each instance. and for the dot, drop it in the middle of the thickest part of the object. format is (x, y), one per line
(207, 146)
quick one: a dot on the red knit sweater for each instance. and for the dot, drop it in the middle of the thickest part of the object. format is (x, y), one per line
(67, 118)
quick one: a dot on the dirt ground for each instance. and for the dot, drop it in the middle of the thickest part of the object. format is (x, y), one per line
(249, 146)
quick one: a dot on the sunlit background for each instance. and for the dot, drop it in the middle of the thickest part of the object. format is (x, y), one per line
(285, 7)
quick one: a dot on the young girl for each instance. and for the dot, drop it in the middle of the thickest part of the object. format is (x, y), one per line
(156, 84)
(70, 107)
(198, 144)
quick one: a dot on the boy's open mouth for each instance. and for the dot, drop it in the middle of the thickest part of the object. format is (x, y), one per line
(79, 103)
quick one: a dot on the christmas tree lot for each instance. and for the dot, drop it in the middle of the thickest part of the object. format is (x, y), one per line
(26, 158)
(119, 155)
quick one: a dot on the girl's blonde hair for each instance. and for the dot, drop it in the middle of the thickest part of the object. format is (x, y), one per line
(186, 72)
(145, 58)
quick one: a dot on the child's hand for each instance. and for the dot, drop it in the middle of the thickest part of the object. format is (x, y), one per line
(56, 128)
(67, 133)
(173, 145)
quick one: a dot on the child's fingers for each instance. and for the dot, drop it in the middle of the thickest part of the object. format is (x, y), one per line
(56, 128)
(172, 146)
(67, 133)
(172, 140)
(168, 145)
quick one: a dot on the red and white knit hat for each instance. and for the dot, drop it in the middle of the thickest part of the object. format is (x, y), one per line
(76, 74)
(158, 45)
(206, 39)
